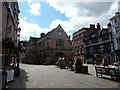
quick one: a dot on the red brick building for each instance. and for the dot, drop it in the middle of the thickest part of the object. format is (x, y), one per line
(77, 41)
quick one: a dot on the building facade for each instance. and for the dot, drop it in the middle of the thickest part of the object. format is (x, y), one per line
(77, 41)
(10, 30)
(115, 22)
(10, 20)
(31, 51)
(49, 47)
(98, 45)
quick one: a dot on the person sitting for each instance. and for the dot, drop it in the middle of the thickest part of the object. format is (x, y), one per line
(70, 64)
(78, 65)
(117, 66)
(105, 62)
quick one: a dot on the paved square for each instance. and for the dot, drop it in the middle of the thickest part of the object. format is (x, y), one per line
(40, 76)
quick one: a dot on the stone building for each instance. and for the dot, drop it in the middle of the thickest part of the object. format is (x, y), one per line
(25, 46)
(31, 51)
(49, 47)
(115, 27)
(99, 44)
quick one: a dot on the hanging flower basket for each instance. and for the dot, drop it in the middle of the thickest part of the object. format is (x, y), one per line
(8, 43)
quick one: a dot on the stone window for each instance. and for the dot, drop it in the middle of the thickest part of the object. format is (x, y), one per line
(59, 43)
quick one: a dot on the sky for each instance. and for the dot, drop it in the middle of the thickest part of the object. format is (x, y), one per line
(37, 17)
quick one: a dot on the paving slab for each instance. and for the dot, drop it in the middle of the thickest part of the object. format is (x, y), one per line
(41, 76)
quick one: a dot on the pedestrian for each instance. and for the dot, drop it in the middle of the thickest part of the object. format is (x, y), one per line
(105, 61)
(4, 78)
(70, 64)
(78, 65)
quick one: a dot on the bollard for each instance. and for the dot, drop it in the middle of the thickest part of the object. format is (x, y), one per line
(4, 79)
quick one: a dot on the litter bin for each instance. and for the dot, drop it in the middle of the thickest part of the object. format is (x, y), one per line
(85, 69)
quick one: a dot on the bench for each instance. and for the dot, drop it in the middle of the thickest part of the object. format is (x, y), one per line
(100, 71)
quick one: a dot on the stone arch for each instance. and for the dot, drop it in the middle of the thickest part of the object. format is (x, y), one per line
(59, 55)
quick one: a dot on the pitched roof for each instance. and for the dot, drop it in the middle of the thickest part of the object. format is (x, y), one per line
(34, 39)
(59, 26)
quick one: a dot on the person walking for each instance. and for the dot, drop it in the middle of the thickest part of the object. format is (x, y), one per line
(78, 65)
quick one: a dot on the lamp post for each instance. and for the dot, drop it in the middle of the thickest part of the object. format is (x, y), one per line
(18, 53)
(18, 69)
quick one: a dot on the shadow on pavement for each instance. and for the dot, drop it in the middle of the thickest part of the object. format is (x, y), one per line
(19, 81)
(109, 78)
(83, 73)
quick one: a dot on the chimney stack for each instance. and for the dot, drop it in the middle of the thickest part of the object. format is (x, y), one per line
(92, 26)
(42, 35)
(69, 36)
(98, 27)
(109, 26)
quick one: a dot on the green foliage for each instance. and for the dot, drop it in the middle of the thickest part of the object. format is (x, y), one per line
(8, 43)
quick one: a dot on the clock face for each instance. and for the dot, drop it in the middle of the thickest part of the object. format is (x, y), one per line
(59, 33)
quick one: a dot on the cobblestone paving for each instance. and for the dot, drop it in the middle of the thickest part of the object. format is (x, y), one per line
(40, 76)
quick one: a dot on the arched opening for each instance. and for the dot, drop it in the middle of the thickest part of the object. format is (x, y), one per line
(59, 55)
(56, 57)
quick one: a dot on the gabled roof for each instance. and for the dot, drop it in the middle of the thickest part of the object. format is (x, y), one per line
(35, 39)
(59, 26)
(117, 14)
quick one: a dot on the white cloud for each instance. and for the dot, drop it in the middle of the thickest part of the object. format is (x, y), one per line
(30, 29)
(34, 8)
(81, 14)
